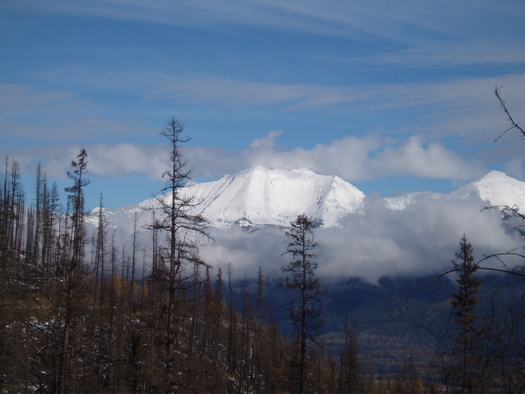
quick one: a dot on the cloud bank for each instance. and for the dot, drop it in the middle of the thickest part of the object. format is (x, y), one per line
(376, 242)
(352, 158)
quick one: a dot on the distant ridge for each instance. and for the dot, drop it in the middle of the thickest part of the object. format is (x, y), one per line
(494, 189)
(260, 196)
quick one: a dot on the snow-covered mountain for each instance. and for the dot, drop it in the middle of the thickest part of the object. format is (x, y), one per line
(411, 234)
(260, 196)
(494, 189)
(275, 197)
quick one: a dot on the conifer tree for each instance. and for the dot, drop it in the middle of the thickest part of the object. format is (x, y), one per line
(349, 380)
(182, 228)
(72, 279)
(465, 351)
(177, 219)
(301, 277)
(76, 203)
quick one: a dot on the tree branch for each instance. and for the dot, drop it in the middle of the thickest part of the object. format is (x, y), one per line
(505, 109)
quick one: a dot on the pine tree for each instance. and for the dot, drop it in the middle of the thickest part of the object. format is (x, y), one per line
(301, 277)
(465, 351)
(350, 381)
(183, 229)
(73, 260)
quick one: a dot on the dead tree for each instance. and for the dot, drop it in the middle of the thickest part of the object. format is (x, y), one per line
(301, 278)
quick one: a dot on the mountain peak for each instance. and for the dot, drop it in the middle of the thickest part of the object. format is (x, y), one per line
(260, 196)
(495, 175)
(496, 188)
(259, 170)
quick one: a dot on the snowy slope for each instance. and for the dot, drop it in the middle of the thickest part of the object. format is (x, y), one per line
(494, 189)
(276, 197)
(259, 196)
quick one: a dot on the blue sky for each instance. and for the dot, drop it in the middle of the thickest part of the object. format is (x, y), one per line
(393, 97)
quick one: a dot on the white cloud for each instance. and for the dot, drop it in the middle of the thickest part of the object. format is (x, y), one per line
(352, 158)
(267, 142)
(124, 159)
(515, 168)
(369, 157)
(417, 241)
(54, 168)
(431, 161)
(373, 243)
(347, 157)
(246, 251)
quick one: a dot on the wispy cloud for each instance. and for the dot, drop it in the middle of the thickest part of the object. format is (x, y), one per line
(424, 33)
(378, 17)
(458, 107)
(56, 117)
(462, 109)
(458, 94)
(248, 93)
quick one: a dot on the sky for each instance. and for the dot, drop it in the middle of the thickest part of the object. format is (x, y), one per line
(392, 97)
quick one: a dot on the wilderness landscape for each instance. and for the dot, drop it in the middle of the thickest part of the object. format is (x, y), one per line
(266, 196)
(196, 283)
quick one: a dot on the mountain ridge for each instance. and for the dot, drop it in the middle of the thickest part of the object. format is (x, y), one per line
(260, 196)
(495, 188)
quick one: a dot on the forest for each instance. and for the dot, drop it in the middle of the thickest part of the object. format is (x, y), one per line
(77, 316)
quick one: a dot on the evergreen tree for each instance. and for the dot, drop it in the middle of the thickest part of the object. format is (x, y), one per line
(349, 380)
(301, 277)
(72, 279)
(183, 229)
(466, 346)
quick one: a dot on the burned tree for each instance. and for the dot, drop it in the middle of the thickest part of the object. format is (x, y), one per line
(464, 356)
(301, 277)
(178, 219)
(183, 228)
